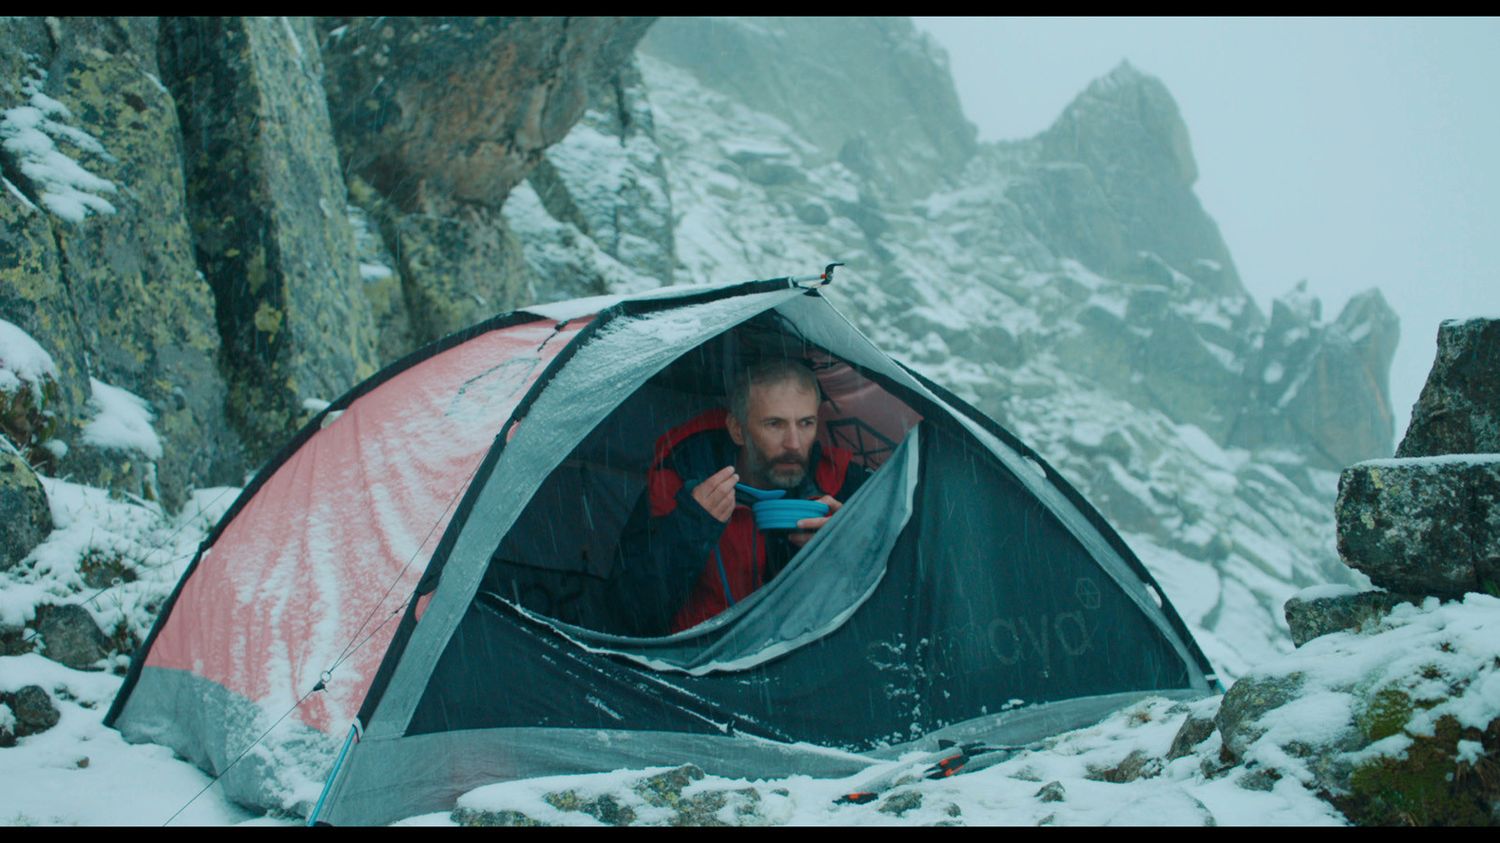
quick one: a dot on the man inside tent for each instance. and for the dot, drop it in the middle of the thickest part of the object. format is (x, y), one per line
(691, 548)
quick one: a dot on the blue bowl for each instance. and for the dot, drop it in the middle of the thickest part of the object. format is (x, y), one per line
(784, 514)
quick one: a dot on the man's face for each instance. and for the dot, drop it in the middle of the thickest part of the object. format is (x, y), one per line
(777, 437)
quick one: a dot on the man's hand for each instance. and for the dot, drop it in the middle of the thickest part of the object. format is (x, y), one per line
(716, 494)
(808, 526)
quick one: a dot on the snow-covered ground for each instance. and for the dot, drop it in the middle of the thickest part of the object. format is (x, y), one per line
(81, 773)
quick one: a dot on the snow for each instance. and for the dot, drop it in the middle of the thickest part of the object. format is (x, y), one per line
(1445, 653)
(1006, 793)
(23, 361)
(1433, 462)
(122, 421)
(375, 271)
(1469, 752)
(30, 134)
(1320, 592)
(81, 773)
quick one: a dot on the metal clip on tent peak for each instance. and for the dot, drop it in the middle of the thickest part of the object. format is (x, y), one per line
(812, 282)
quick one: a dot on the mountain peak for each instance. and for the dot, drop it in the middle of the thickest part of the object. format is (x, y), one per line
(1125, 112)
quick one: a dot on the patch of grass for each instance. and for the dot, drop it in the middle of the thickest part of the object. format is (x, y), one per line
(1427, 787)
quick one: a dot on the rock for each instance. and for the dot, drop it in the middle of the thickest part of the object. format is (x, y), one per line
(834, 80)
(33, 709)
(1052, 792)
(23, 510)
(380, 272)
(117, 294)
(1427, 784)
(1245, 702)
(1323, 386)
(461, 108)
(69, 635)
(1310, 618)
(1458, 411)
(1135, 181)
(703, 808)
(622, 203)
(268, 207)
(1136, 765)
(1261, 779)
(460, 267)
(14, 641)
(473, 818)
(1425, 525)
(1194, 730)
(606, 808)
(897, 804)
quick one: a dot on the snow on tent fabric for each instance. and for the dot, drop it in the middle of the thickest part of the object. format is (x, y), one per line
(436, 553)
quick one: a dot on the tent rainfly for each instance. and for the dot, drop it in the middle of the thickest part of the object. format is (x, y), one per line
(432, 560)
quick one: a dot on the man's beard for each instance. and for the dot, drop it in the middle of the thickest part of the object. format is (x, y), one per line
(786, 471)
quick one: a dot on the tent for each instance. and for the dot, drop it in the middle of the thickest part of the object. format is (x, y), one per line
(431, 559)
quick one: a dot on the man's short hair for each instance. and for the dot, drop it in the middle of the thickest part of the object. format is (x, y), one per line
(772, 371)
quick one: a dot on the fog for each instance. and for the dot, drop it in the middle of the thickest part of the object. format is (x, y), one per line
(1351, 153)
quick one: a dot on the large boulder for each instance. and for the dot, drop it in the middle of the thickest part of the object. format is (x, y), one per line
(23, 510)
(463, 107)
(1311, 615)
(1459, 409)
(1424, 525)
(440, 119)
(268, 207)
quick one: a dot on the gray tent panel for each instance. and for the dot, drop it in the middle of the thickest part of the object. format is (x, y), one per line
(613, 363)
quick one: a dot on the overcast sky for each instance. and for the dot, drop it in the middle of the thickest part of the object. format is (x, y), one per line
(1351, 153)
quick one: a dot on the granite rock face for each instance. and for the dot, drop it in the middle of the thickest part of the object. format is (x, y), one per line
(23, 510)
(115, 294)
(1423, 525)
(1458, 411)
(267, 203)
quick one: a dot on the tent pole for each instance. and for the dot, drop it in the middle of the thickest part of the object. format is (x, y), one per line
(312, 819)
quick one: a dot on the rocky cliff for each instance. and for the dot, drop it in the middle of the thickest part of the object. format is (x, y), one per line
(203, 213)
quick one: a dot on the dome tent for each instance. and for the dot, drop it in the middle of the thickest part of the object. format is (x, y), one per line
(432, 560)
